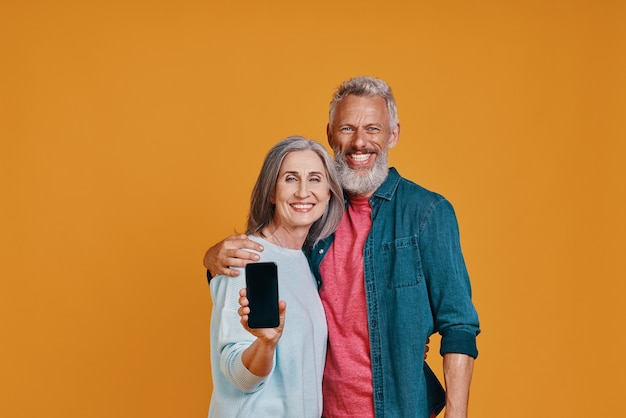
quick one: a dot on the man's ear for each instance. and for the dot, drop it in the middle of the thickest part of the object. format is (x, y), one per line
(395, 136)
(329, 135)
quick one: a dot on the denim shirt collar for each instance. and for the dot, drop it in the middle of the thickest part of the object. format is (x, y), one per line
(389, 186)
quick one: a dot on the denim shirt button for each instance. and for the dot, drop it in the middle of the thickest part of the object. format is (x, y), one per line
(321, 251)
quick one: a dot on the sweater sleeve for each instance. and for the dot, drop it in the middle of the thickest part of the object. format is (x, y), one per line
(448, 281)
(229, 336)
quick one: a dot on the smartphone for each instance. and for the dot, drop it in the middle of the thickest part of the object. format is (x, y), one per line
(262, 290)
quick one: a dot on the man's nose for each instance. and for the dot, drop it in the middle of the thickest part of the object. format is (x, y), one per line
(358, 139)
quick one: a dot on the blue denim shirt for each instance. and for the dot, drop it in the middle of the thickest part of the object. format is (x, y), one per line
(416, 284)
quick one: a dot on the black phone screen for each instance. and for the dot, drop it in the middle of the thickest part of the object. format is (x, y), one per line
(262, 290)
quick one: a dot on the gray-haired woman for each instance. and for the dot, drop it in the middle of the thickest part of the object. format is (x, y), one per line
(297, 200)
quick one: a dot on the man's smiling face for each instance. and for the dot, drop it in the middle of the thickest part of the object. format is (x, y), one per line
(360, 136)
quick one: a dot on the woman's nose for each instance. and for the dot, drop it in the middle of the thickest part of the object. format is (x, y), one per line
(303, 189)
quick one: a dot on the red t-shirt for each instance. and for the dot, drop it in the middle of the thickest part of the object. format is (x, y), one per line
(347, 384)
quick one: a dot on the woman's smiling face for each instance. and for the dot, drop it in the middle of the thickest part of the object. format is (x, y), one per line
(302, 191)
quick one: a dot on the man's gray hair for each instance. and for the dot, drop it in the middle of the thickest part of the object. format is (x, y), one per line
(369, 87)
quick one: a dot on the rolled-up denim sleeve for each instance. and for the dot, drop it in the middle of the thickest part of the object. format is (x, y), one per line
(448, 282)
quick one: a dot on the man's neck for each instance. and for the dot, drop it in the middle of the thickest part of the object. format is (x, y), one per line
(360, 195)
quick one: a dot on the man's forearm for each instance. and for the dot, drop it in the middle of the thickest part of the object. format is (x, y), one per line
(230, 252)
(457, 371)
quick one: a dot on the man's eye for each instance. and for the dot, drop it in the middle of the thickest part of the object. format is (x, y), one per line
(346, 129)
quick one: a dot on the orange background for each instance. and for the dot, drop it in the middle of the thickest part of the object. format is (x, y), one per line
(132, 132)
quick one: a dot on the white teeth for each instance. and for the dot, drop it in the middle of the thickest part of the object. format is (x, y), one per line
(302, 206)
(359, 157)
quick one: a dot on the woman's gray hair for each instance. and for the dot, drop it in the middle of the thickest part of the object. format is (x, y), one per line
(368, 87)
(262, 209)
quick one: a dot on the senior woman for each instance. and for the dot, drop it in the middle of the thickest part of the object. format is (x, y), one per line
(277, 372)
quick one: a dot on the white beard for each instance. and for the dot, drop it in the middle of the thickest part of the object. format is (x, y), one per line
(361, 182)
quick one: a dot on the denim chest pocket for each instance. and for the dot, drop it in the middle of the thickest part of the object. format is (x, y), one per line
(403, 263)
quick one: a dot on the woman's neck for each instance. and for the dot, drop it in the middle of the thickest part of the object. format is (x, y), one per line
(283, 237)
